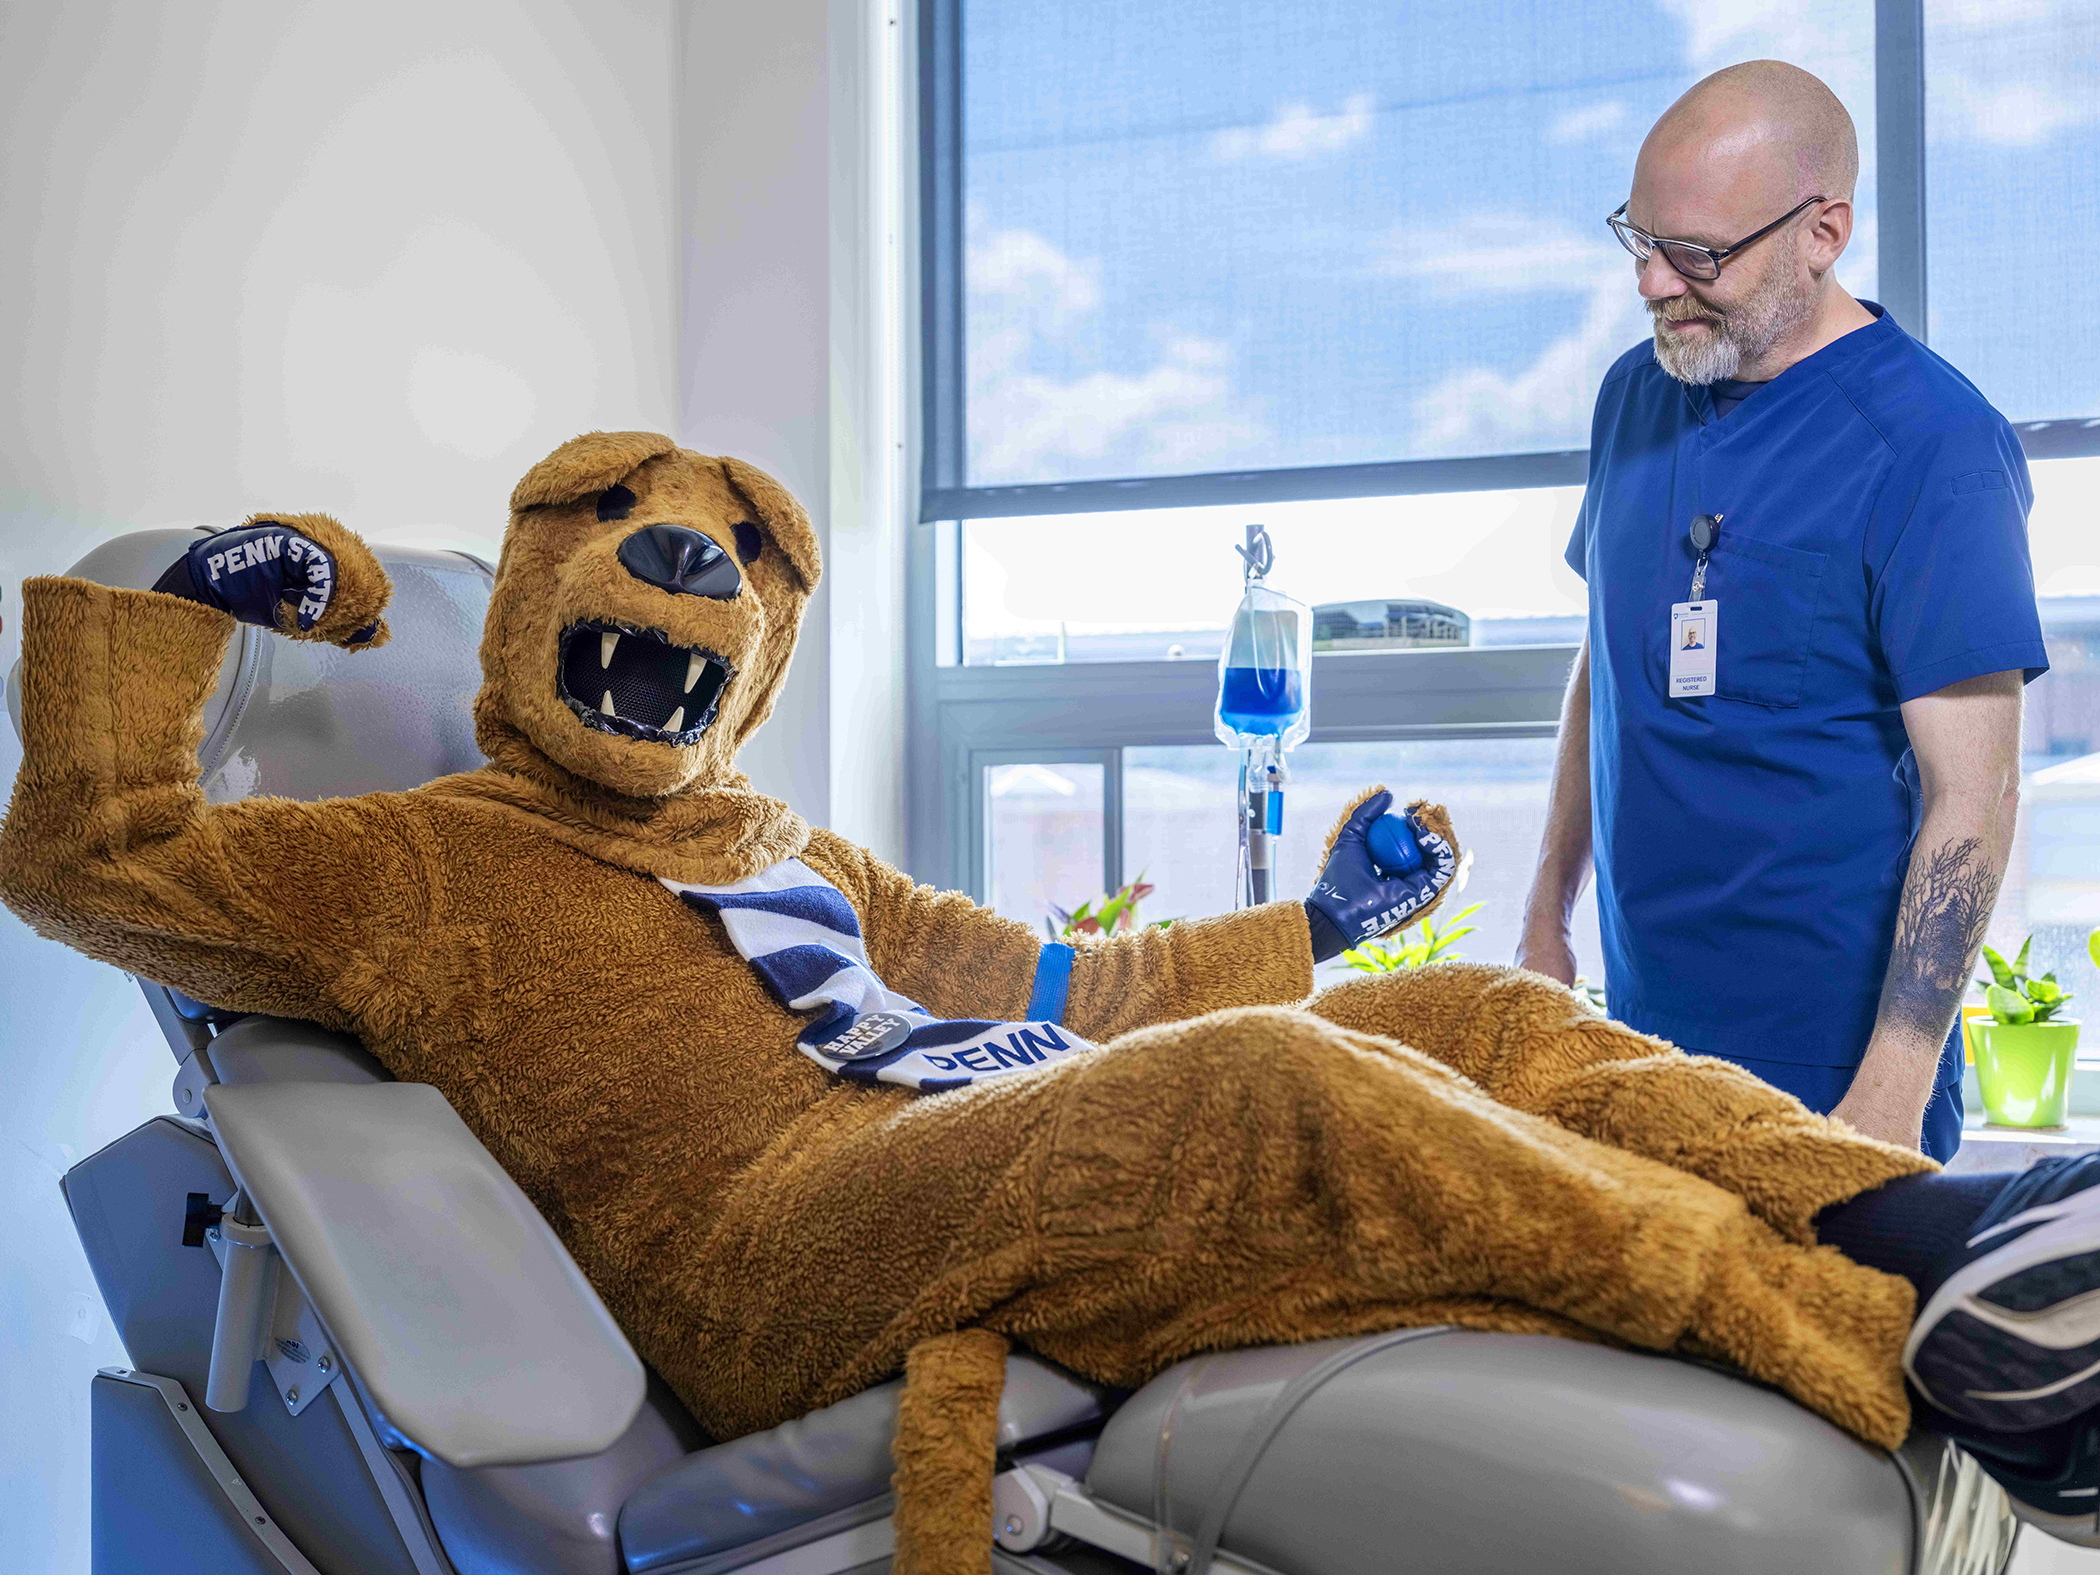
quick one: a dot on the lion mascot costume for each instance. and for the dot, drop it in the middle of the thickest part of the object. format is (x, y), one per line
(805, 1124)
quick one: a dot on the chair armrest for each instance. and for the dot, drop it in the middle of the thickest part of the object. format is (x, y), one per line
(461, 1316)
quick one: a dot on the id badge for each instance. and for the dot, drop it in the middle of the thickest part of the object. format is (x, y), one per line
(1694, 640)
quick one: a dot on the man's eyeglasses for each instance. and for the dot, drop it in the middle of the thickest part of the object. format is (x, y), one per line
(1689, 257)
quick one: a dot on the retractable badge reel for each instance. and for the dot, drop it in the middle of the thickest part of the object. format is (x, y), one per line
(1695, 624)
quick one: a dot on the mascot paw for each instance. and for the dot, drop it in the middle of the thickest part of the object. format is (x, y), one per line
(303, 575)
(1356, 899)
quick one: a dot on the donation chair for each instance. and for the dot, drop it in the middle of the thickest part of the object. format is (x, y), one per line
(357, 1349)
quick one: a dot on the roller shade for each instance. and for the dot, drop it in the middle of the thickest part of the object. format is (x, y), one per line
(1192, 251)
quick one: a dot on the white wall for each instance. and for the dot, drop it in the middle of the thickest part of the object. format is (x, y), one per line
(374, 259)
(789, 141)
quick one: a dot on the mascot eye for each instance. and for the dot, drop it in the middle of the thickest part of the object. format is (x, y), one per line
(749, 544)
(615, 503)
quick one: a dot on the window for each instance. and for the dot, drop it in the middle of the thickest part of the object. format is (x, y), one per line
(2012, 164)
(1045, 835)
(1340, 268)
(2052, 885)
(1204, 236)
(1160, 585)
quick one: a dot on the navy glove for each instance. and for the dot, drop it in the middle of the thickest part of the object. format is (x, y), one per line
(252, 570)
(1352, 902)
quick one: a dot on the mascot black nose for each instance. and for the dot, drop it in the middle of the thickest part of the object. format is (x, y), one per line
(680, 561)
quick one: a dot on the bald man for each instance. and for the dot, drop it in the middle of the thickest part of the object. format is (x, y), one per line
(1799, 830)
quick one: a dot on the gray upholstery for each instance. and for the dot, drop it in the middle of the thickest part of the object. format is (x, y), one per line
(559, 1519)
(127, 1201)
(271, 1050)
(466, 1322)
(1477, 1454)
(156, 1505)
(834, 1459)
(284, 1050)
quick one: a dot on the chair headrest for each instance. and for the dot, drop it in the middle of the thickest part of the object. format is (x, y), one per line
(308, 721)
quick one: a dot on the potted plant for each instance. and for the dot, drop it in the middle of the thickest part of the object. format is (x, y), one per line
(1430, 943)
(1108, 914)
(2026, 1047)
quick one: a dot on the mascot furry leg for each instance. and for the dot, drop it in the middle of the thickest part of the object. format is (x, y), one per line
(1642, 1196)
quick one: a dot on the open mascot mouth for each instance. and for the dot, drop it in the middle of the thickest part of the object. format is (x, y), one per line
(636, 683)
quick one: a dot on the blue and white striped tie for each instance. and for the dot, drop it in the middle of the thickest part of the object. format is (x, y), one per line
(803, 938)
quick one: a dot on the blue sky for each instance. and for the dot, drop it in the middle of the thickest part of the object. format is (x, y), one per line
(1209, 235)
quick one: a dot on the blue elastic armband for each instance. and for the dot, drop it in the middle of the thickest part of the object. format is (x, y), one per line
(1053, 983)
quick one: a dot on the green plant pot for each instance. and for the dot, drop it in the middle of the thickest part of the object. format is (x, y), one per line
(2024, 1070)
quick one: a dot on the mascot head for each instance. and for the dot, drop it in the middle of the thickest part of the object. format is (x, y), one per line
(644, 612)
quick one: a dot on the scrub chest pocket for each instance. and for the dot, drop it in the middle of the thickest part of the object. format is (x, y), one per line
(1772, 595)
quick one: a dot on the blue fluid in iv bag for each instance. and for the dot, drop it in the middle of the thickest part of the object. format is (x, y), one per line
(1264, 671)
(1260, 701)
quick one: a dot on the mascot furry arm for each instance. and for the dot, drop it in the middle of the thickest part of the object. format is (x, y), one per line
(109, 844)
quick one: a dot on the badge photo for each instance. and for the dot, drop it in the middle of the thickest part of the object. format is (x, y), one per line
(1694, 645)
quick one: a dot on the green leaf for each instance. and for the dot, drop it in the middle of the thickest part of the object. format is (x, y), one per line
(1370, 958)
(2043, 991)
(2009, 1006)
(2020, 962)
(2001, 975)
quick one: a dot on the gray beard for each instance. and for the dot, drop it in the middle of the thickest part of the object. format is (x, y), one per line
(1743, 334)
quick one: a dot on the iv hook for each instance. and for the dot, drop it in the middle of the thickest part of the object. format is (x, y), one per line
(1259, 554)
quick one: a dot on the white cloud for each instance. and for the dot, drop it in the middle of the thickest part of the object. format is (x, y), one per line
(1499, 254)
(1808, 32)
(1020, 266)
(2009, 73)
(1297, 132)
(1480, 411)
(2012, 73)
(1182, 413)
(1477, 411)
(1579, 125)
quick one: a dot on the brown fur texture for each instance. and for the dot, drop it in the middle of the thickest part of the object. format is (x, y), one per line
(1461, 1144)
(361, 587)
(945, 1450)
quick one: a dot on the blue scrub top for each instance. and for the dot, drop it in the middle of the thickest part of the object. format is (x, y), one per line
(1751, 845)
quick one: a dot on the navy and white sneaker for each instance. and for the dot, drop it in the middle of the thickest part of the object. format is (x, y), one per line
(2051, 1477)
(2011, 1338)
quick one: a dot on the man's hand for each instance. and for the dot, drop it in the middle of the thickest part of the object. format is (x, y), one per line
(276, 574)
(1892, 1114)
(1549, 953)
(1354, 901)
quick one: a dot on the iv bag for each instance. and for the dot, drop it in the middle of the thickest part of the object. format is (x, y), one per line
(1265, 671)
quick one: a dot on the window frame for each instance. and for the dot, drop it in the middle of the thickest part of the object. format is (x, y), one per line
(962, 718)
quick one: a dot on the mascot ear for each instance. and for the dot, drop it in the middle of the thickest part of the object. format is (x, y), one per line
(585, 465)
(784, 518)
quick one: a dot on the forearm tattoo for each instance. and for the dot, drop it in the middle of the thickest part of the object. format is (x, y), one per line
(1939, 929)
